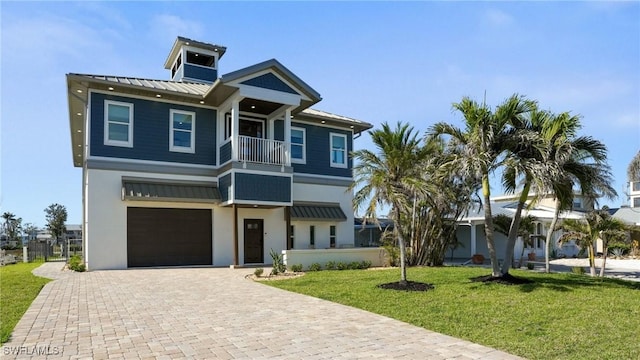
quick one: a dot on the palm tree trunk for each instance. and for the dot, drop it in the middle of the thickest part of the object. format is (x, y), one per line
(513, 229)
(605, 250)
(488, 226)
(401, 244)
(592, 260)
(547, 244)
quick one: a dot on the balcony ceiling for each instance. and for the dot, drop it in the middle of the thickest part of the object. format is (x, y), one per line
(258, 106)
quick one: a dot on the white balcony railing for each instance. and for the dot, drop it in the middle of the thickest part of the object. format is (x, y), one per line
(263, 151)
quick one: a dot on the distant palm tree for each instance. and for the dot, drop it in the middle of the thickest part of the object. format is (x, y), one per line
(633, 171)
(389, 176)
(482, 144)
(576, 162)
(596, 224)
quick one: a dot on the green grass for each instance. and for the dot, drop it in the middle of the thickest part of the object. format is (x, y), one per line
(559, 316)
(18, 288)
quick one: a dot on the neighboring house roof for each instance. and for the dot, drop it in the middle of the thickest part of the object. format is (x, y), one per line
(74, 227)
(362, 223)
(627, 215)
(508, 208)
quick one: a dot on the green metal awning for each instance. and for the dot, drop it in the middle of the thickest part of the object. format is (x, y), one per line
(317, 213)
(149, 190)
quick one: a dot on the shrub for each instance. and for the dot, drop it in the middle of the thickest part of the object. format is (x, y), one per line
(530, 266)
(296, 267)
(315, 267)
(578, 270)
(342, 266)
(331, 265)
(619, 247)
(258, 272)
(76, 264)
(278, 264)
(365, 264)
(354, 265)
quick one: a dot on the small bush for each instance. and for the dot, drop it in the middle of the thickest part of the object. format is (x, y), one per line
(578, 270)
(258, 272)
(76, 264)
(530, 266)
(331, 265)
(315, 267)
(296, 267)
(365, 264)
(342, 266)
(354, 265)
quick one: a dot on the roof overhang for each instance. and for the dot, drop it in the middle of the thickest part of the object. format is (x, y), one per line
(136, 189)
(317, 212)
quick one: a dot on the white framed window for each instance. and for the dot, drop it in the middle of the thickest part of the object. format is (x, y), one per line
(298, 145)
(118, 123)
(636, 186)
(182, 130)
(338, 153)
(538, 233)
(636, 202)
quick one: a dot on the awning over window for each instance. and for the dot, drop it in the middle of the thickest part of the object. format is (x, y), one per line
(317, 213)
(149, 190)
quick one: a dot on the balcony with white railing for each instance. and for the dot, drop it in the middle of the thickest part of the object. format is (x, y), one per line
(261, 151)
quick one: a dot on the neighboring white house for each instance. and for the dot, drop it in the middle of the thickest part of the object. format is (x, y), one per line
(472, 239)
(634, 194)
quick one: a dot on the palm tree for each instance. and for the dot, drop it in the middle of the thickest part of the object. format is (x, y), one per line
(481, 147)
(633, 171)
(577, 162)
(389, 177)
(596, 224)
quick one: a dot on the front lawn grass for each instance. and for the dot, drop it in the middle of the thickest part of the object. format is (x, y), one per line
(558, 316)
(18, 288)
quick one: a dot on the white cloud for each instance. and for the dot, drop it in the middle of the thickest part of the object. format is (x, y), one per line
(165, 28)
(498, 18)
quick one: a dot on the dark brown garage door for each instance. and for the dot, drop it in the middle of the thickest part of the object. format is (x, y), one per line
(168, 237)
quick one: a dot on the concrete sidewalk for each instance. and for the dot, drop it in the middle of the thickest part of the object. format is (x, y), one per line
(210, 313)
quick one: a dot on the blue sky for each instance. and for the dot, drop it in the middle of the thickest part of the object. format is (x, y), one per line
(374, 61)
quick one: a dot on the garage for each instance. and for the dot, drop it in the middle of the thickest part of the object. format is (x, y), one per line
(168, 237)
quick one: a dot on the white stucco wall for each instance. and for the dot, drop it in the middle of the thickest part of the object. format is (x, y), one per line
(106, 216)
(325, 194)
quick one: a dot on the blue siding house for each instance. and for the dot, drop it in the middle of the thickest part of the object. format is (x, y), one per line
(205, 169)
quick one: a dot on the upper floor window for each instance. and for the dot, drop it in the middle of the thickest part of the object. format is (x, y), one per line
(118, 123)
(338, 150)
(182, 131)
(636, 186)
(577, 203)
(200, 59)
(636, 202)
(298, 139)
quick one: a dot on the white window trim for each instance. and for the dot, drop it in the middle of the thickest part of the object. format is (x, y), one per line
(304, 146)
(108, 141)
(183, 149)
(346, 151)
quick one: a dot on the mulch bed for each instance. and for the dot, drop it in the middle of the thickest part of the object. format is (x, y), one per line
(504, 280)
(407, 286)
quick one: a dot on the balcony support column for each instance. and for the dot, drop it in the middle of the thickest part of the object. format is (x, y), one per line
(235, 128)
(287, 137)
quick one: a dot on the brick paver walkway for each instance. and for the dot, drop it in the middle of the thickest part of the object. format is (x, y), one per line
(208, 313)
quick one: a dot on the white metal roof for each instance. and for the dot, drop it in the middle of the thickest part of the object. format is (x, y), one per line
(190, 88)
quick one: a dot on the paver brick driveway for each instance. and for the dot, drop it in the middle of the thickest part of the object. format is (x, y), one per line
(208, 313)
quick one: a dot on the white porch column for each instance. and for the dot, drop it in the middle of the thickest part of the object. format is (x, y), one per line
(287, 136)
(235, 128)
(473, 238)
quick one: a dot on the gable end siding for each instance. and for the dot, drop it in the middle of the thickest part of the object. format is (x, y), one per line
(270, 81)
(318, 157)
(151, 132)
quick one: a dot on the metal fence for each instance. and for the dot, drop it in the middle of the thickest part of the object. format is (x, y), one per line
(53, 251)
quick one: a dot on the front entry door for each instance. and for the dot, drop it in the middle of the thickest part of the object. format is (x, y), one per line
(253, 241)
